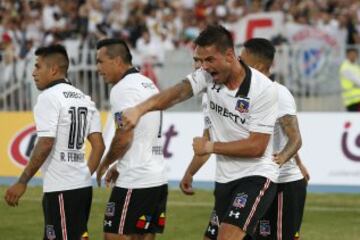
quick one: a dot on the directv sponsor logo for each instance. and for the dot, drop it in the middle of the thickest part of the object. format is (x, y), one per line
(223, 111)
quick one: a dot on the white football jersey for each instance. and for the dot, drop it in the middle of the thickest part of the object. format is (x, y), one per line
(290, 171)
(65, 113)
(233, 114)
(143, 164)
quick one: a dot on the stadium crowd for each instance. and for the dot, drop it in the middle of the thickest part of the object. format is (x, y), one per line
(149, 25)
(151, 28)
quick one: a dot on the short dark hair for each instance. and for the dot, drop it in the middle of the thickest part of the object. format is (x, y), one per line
(215, 35)
(116, 48)
(352, 49)
(56, 51)
(261, 48)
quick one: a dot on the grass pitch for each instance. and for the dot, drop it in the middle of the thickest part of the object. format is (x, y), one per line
(327, 216)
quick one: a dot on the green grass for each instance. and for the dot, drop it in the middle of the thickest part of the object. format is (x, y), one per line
(327, 216)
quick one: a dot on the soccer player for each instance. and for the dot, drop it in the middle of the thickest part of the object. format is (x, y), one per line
(242, 111)
(284, 217)
(137, 205)
(64, 117)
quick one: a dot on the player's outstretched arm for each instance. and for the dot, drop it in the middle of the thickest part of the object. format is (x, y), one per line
(97, 150)
(163, 100)
(251, 147)
(302, 167)
(290, 126)
(121, 142)
(41, 151)
(196, 163)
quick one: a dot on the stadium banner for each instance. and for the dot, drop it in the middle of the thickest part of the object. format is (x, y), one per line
(265, 25)
(331, 147)
(18, 137)
(314, 58)
(330, 151)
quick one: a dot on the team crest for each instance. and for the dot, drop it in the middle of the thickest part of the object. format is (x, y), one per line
(240, 200)
(143, 222)
(264, 228)
(118, 119)
(50, 232)
(242, 105)
(110, 209)
(214, 219)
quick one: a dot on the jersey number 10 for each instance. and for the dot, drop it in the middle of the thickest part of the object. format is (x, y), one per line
(77, 127)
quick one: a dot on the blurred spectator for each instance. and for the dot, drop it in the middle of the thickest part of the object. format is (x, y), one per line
(54, 23)
(350, 80)
(151, 27)
(174, 23)
(9, 57)
(116, 19)
(147, 46)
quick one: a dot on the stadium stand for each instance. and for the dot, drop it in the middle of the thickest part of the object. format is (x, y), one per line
(160, 33)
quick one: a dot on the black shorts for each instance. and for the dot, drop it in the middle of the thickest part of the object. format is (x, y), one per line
(300, 205)
(66, 213)
(284, 217)
(241, 203)
(136, 211)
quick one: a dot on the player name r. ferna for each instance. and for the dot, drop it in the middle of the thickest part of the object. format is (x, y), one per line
(72, 157)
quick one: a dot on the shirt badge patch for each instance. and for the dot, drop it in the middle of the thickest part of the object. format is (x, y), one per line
(240, 200)
(110, 209)
(242, 105)
(50, 232)
(118, 119)
(264, 228)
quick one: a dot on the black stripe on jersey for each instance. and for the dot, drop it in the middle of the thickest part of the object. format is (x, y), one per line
(130, 71)
(244, 88)
(55, 82)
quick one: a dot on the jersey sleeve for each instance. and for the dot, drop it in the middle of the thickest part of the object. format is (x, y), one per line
(287, 104)
(121, 99)
(264, 111)
(199, 80)
(205, 110)
(95, 123)
(46, 115)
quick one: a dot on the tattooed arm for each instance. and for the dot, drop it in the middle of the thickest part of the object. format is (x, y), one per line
(161, 101)
(41, 152)
(302, 167)
(290, 126)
